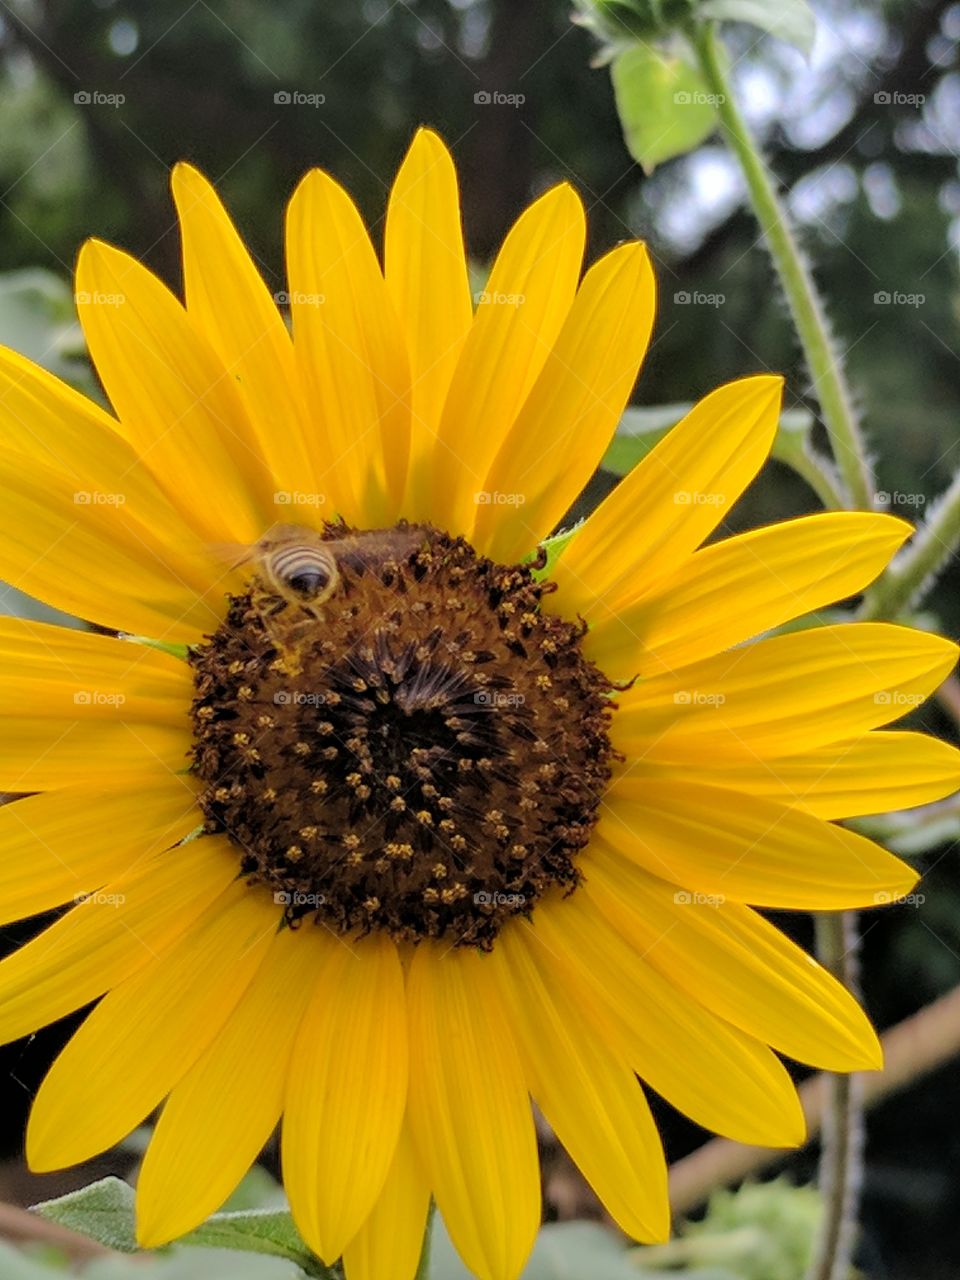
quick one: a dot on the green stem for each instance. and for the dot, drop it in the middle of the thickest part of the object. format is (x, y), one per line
(423, 1268)
(817, 472)
(805, 306)
(905, 581)
(842, 1156)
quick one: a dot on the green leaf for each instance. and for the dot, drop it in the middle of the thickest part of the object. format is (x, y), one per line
(789, 20)
(105, 1212)
(258, 1231)
(663, 103)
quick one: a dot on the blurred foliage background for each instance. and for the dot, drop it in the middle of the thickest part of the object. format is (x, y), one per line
(99, 97)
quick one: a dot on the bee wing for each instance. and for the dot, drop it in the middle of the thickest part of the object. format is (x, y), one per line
(232, 555)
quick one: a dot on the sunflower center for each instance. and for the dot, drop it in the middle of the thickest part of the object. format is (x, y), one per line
(395, 736)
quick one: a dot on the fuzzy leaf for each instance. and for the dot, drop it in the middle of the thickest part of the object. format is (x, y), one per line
(105, 1212)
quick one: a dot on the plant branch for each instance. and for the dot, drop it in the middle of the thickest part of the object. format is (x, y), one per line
(808, 315)
(911, 576)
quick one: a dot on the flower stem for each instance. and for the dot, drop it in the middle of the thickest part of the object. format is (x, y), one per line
(935, 542)
(841, 1160)
(816, 471)
(806, 309)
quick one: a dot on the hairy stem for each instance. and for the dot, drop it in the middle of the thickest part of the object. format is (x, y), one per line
(841, 1160)
(934, 544)
(808, 315)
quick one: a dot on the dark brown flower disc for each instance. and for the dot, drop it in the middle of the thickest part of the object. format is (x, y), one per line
(422, 752)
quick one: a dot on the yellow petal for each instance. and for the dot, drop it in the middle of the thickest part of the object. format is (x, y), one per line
(590, 1097)
(146, 1033)
(674, 498)
(782, 695)
(719, 1077)
(346, 1092)
(469, 1110)
(561, 433)
(64, 844)
(350, 353)
(108, 937)
(177, 405)
(877, 773)
(78, 707)
(218, 1118)
(388, 1245)
(729, 958)
(52, 539)
(522, 310)
(77, 495)
(747, 848)
(739, 588)
(426, 273)
(229, 303)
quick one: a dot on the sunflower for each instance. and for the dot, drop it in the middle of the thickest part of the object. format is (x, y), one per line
(375, 816)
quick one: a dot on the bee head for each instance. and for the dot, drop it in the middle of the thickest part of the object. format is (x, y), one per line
(305, 570)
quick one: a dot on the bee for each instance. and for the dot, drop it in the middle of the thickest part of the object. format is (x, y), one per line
(294, 575)
(297, 573)
(299, 565)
